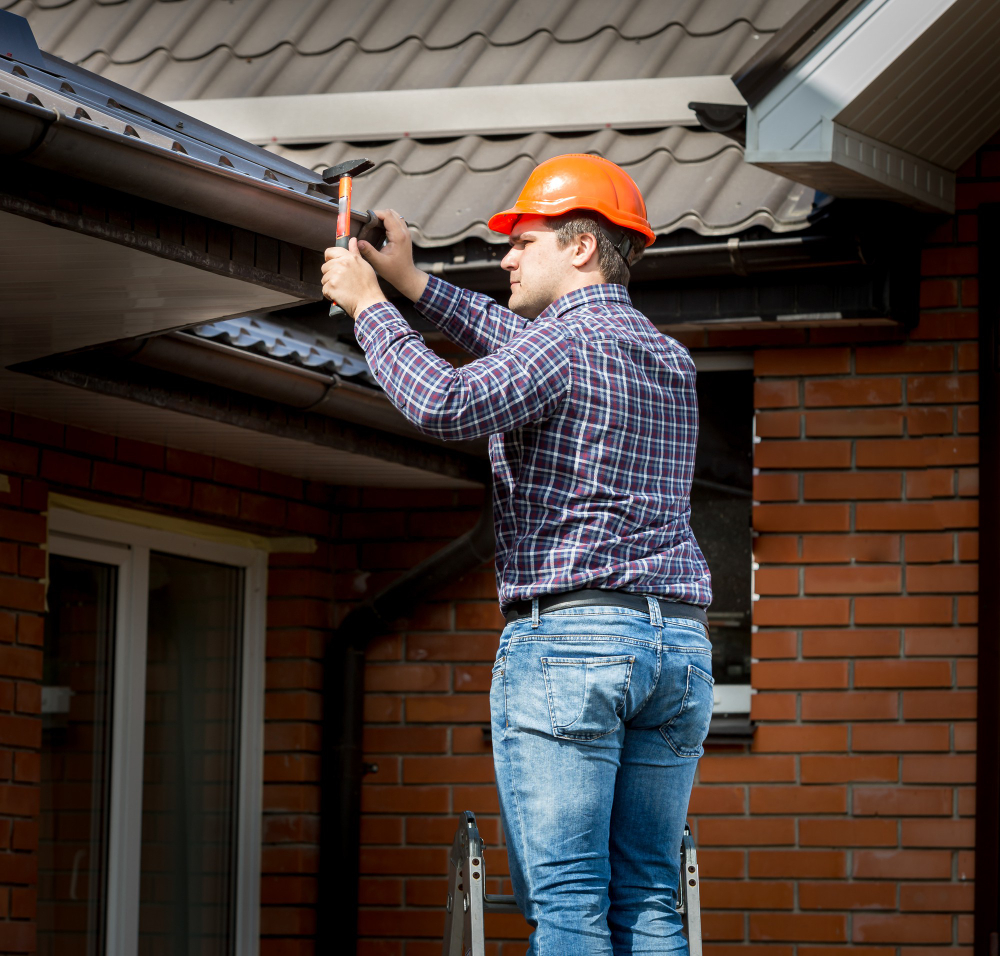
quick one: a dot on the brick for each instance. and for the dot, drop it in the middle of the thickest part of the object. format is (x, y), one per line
(942, 389)
(18, 526)
(409, 799)
(781, 675)
(778, 424)
(836, 769)
(706, 800)
(38, 430)
(22, 595)
(30, 629)
(852, 486)
(903, 610)
(897, 738)
(720, 864)
(801, 517)
(929, 548)
(780, 394)
(855, 421)
(451, 647)
(65, 469)
(946, 897)
(915, 452)
(800, 739)
(409, 860)
(407, 677)
(939, 768)
(808, 361)
(798, 927)
(949, 261)
(747, 895)
(167, 490)
(938, 833)
(235, 473)
(940, 642)
(777, 581)
(21, 662)
(943, 579)
(968, 420)
(838, 833)
(968, 545)
(811, 453)
(215, 499)
(938, 293)
(189, 463)
(772, 707)
(902, 864)
(904, 358)
(894, 673)
(465, 769)
(776, 549)
(17, 937)
(847, 896)
(20, 459)
(902, 801)
(854, 705)
(968, 357)
(968, 482)
(116, 479)
(479, 616)
(771, 864)
(970, 292)
(899, 928)
(861, 548)
(849, 392)
(798, 800)
(786, 612)
(783, 486)
(746, 769)
(931, 421)
(18, 801)
(850, 644)
(466, 708)
(939, 705)
(870, 579)
(743, 831)
(32, 562)
(769, 645)
(931, 483)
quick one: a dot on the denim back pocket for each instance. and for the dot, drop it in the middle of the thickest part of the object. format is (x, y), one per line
(687, 729)
(586, 695)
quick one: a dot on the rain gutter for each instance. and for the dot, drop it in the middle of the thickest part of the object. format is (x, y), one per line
(163, 169)
(342, 766)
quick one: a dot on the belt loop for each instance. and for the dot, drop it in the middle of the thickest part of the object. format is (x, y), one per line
(534, 612)
(654, 612)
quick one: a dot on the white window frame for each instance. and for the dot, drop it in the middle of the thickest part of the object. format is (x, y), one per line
(127, 547)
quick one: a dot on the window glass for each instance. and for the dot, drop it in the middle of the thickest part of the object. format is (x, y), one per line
(75, 758)
(190, 758)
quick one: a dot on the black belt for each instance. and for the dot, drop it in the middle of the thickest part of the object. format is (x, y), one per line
(581, 598)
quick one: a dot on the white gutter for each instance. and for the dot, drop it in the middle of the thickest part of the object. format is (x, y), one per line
(463, 111)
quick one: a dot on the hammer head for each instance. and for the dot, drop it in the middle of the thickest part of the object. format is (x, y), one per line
(353, 167)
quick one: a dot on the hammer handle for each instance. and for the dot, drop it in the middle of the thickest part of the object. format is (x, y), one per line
(343, 227)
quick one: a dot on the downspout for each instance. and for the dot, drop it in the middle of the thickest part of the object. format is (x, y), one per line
(343, 722)
(987, 877)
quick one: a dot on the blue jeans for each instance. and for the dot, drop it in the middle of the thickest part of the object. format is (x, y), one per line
(599, 715)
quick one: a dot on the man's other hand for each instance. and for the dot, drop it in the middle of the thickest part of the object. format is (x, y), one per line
(394, 262)
(349, 281)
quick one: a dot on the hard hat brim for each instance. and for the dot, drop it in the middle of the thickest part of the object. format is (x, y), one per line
(503, 222)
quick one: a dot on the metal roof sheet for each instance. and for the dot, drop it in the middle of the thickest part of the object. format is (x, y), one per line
(189, 49)
(690, 179)
(295, 346)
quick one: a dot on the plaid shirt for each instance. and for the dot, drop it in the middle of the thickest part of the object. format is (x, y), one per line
(593, 422)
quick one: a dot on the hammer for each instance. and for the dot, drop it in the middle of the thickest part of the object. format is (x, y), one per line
(342, 175)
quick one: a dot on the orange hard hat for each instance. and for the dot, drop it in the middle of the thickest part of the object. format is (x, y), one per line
(578, 181)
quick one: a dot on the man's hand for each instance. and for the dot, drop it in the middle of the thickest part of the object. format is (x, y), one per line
(349, 281)
(394, 262)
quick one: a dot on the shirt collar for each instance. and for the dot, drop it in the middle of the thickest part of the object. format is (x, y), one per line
(601, 293)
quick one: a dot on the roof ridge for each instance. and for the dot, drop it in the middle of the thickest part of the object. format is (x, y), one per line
(424, 44)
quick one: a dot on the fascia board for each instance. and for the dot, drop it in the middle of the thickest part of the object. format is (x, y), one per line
(463, 111)
(845, 64)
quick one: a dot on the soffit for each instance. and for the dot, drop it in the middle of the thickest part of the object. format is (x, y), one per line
(940, 99)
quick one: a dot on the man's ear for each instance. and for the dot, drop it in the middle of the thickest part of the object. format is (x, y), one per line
(585, 250)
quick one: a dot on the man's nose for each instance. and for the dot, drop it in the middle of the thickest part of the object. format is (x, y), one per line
(509, 261)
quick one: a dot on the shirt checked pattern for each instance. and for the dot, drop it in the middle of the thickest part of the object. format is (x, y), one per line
(593, 422)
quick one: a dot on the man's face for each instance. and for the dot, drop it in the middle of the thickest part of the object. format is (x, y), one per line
(540, 269)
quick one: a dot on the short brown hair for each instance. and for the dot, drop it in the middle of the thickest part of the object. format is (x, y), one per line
(610, 261)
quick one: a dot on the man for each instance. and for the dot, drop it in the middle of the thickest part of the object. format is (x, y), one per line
(602, 691)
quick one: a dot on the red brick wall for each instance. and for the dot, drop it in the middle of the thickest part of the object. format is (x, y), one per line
(38, 456)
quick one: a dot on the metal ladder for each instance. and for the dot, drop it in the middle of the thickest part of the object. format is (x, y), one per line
(468, 901)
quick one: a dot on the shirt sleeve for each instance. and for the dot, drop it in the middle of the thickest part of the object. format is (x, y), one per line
(521, 382)
(473, 321)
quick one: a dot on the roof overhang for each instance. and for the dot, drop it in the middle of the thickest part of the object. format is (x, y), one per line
(464, 110)
(888, 105)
